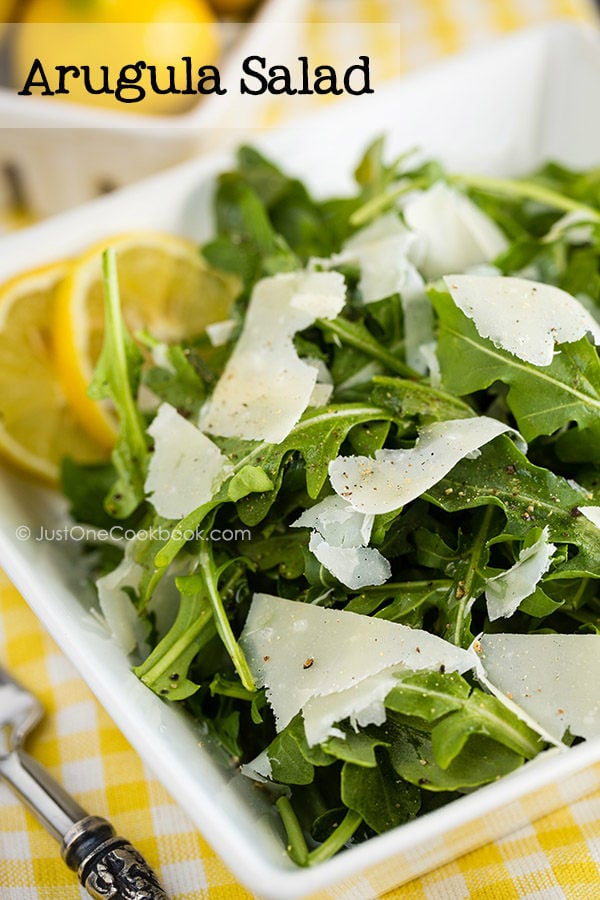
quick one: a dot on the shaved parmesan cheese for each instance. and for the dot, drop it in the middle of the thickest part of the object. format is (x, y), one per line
(356, 567)
(428, 354)
(387, 253)
(457, 234)
(259, 769)
(220, 332)
(160, 356)
(506, 591)
(526, 318)
(395, 477)
(363, 704)
(118, 608)
(323, 389)
(320, 395)
(185, 469)
(339, 541)
(592, 513)
(337, 522)
(265, 386)
(333, 664)
(554, 678)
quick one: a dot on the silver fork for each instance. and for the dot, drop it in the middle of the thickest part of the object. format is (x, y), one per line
(106, 865)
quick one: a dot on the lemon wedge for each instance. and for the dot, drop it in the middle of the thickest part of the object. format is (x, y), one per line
(37, 426)
(166, 289)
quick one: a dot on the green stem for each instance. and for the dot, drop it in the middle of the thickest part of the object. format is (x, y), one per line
(383, 201)
(472, 567)
(159, 662)
(369, 348)
(222, 624)
(525, 190)
(114, 326)
(336, 839)
(296, 848)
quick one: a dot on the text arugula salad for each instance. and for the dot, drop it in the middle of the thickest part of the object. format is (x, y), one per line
(364, 510)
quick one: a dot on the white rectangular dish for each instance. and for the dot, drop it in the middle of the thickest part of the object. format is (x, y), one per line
(63, 154)
(502, 111)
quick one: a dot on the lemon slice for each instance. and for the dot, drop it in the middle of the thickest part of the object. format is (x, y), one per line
(37, 426)
(166, 288)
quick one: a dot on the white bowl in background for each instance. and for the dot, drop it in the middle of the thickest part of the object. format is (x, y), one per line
(58, 155)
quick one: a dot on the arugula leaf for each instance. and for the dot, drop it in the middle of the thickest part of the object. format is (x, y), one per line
(480, 761)
(380, 796)
(249, 480)
(542, 399)
(428, 695)
(528, 495)
(181, 386)
(292, 760)
(414, 399)
(485, 715)
(357, 747)
(86, 487)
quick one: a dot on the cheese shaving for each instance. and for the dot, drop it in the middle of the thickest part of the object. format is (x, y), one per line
(185, 468)
(592, 513)
(337, 522)
(339, 541)
(219, 333)
(118, 608)
(455, 232)
(387, 253)
(505, 592)
(554, 678)
(332, 664)
(526, 318)
(355, 567)
(265, 386)
(395, 477)
(385, 250)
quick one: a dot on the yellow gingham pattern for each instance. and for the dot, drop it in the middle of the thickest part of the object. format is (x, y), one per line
(558, 857)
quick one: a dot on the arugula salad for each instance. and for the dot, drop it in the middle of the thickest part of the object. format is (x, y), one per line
(362, 514)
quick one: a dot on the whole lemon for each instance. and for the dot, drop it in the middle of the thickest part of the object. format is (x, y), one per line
(6, 16)
(105, 36)
(234, 8)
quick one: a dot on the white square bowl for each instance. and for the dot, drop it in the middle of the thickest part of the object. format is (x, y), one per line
(61, 154)
(504, 110)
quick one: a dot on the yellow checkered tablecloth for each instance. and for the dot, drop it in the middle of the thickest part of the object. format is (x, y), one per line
(558, 857)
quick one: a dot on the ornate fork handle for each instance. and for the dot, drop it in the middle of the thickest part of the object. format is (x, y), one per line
(106, 865)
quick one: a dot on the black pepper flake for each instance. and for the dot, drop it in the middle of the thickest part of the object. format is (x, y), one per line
(575, 512)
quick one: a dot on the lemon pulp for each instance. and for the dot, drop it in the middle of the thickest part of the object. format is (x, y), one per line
(37, 425)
